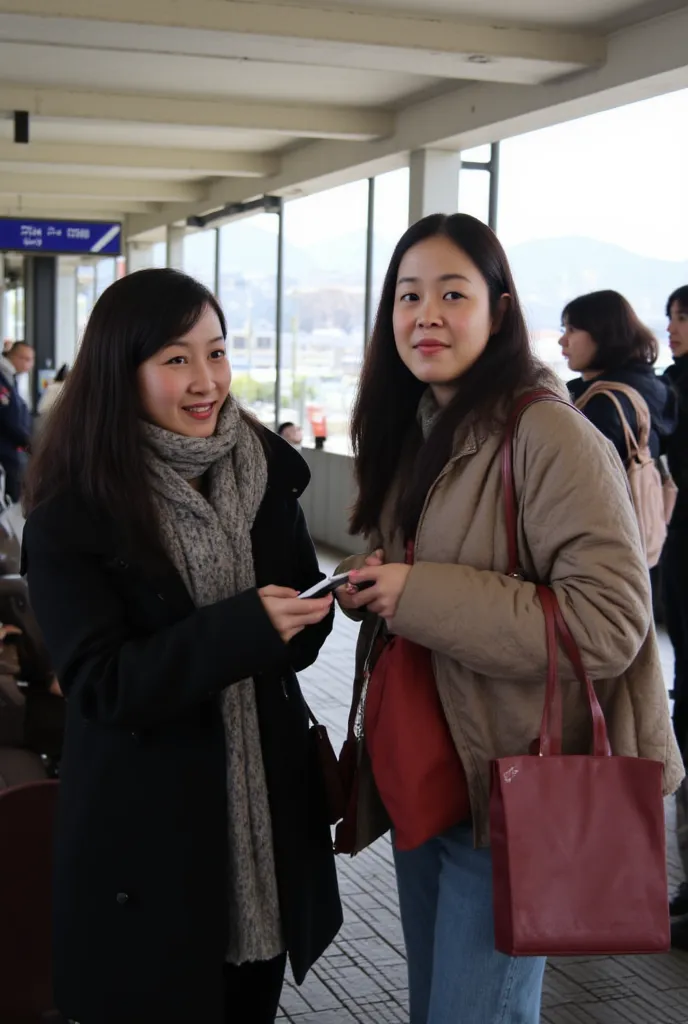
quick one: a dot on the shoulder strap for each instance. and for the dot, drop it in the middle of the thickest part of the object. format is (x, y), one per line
(510, 502)
(640, 408)
(555, 625)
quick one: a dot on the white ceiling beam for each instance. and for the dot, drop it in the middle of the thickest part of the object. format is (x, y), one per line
(208, 163)
(141, 190)
(350, 27)
(57, 205)
(313, 122)
(644, 61)
(36, 213)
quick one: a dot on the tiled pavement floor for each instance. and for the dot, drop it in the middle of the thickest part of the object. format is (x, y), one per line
(362, 977)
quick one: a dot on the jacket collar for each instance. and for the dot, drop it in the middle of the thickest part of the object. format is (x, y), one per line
(288, 472)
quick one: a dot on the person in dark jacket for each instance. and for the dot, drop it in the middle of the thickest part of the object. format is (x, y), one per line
(15, 417)
(164, 550)
(604, 340)
(675, 578)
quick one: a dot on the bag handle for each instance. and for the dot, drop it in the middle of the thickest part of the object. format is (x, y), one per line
(551, 728)
(640, 408)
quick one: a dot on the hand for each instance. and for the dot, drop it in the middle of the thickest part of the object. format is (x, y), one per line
(54, 688)
(346, 593)
(388, 585)
(288, 614)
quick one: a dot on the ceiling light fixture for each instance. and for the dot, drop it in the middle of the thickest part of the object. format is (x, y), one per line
(21, 126)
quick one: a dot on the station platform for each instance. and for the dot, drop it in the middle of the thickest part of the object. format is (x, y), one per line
(362, 977)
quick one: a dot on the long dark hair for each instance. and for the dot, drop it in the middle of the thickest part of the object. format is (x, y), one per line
(616, 329)
(388, 394)
(93, 448)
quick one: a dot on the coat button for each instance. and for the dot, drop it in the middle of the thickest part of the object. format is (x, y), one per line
(122, 898)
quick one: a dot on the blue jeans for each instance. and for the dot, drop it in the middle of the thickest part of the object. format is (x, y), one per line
(455, 974)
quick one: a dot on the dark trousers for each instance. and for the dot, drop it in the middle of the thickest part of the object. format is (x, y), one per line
(252, 991)
(675, 579)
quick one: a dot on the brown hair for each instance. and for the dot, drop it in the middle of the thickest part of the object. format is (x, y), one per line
(614, 326)
(387, 402)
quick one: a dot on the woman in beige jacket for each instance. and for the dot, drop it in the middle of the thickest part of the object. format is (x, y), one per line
(449, 352)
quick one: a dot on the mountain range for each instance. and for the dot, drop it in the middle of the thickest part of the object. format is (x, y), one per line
(548, 271)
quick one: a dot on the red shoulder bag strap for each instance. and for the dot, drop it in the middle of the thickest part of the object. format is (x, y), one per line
(555, 626)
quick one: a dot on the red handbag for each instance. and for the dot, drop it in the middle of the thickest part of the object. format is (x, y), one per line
(417, 770)
(578, 841)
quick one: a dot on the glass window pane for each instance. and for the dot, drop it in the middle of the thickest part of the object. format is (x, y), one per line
(324, 296)
(85, 295)
(13, 299)
(598, 203)
(480, 154)
(105, 275)
(199, 257)
(390, 221)
(248, 290)
(159, 255)
(474, 194)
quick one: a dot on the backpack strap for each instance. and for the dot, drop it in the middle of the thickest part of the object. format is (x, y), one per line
(640, 407)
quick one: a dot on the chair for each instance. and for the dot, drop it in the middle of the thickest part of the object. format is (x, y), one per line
(27, 815)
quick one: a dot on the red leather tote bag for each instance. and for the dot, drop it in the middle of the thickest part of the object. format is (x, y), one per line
(578, 842)
(417, 770)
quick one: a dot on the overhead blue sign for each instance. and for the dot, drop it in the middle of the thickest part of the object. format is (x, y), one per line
(60, 236)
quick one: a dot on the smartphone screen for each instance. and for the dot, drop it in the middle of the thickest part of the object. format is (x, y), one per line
(326, 586)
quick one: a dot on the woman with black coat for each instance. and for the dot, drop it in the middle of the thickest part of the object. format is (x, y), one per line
(604, 340)
(165, 549)
(675, 562)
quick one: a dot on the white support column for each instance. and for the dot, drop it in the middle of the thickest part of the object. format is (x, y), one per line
(66, 341)
(434, 182)
(175, 247)
(139, 256)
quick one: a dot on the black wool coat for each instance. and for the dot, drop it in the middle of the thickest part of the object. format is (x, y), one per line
(140, 881)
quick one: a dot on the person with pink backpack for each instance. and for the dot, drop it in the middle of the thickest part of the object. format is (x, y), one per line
(620, 393)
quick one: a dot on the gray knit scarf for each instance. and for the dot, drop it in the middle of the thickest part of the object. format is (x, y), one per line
(209, 542)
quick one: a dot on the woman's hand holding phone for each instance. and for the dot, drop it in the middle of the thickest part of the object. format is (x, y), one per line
(288, 614)
(348, 595)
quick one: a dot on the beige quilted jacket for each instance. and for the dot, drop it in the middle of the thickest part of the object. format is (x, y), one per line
(577, 530)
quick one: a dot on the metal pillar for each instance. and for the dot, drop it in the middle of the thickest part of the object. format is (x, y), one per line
(494, 185)
(370, 256)
(40, 282)
(490, 167)
(217, 264)
(278, 311)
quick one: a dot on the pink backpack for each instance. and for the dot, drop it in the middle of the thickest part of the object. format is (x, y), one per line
(653, 497)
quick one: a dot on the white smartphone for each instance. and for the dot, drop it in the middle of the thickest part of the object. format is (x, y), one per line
(326, 586)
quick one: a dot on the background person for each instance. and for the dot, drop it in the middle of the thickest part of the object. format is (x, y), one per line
(292, 433)
(675, 579)
(604, 340)
(15, 417)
